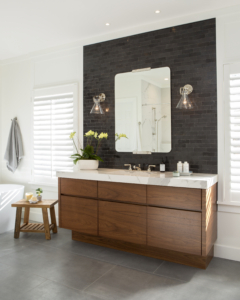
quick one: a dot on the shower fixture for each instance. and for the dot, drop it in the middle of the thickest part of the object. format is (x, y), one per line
(163, 117)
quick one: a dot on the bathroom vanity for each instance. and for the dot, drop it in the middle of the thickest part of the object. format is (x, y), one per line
(152, 214)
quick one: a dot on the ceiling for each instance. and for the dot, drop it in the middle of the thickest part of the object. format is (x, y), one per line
(31, 25)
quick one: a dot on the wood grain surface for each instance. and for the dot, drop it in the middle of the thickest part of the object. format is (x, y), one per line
(80, 188)
(174, 230)
(174, 197)
(79, 214)
(40, 204)
(122, 221)
(209, 219)
(135, 193)
(192, 260)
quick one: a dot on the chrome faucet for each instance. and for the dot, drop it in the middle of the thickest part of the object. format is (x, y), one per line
(137, 168)
(149, 168)
(128, 165)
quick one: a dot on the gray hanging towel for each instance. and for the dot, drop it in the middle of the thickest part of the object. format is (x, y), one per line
(14, 151)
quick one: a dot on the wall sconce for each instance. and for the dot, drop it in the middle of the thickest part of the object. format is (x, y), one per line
(185, 102)
(97, 109)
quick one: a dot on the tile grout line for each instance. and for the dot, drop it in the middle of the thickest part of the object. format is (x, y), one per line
(115, 264)
(99, 278)
(159, 266)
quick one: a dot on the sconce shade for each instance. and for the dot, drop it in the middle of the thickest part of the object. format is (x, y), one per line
(97, 109)
(185, 102)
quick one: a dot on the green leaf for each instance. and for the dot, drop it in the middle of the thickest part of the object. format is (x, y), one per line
(98, 158)
(39, 191)
(89, 149)
(76, 160)
(75, 155)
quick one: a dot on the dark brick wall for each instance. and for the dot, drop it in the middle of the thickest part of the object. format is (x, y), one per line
(190, 52)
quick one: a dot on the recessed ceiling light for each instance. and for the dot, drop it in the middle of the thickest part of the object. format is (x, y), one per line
(107, 24)
(165, 78)
(157, 11)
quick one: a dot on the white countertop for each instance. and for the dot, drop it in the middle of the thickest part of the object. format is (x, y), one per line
(195, 181)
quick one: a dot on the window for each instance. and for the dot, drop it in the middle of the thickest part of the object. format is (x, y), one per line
(54, 118)
(232, 133)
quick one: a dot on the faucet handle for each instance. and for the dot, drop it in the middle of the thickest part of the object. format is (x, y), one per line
(128, 165)
(149, 167)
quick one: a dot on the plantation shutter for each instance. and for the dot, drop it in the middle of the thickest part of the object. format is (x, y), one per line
(53, 120)
(232, 132)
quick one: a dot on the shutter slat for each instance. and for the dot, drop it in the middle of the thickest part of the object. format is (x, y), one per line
(53, 123)
(234, 131)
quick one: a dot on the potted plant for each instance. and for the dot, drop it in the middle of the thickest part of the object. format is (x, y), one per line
(39, 192)
(88, 159)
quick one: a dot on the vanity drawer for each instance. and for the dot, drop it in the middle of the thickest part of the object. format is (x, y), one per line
(124, 222)
(173, 229)
(135, 193)
(78, 187)
(174, 197)
(79, 214)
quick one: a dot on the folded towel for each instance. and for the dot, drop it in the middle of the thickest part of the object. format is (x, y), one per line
(14, 151)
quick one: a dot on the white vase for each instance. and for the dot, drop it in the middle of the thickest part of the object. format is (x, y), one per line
(88, 164)
(39, 197)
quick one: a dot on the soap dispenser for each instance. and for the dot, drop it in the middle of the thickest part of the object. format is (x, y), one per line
(179, 167)
(162, 166)
(186, 167)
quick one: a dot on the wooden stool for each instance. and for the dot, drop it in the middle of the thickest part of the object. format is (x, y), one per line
(35, 227)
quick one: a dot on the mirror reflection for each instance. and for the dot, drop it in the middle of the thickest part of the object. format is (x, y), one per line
(143, 111)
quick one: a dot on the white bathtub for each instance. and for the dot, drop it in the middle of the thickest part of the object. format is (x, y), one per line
(9, 193)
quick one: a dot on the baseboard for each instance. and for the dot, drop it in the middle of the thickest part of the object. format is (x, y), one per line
(226, 252)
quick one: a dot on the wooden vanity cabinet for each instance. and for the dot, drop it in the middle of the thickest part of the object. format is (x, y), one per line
(80, 214)
(123, 222)
(114, 191)
(174, 224)
(174, 229)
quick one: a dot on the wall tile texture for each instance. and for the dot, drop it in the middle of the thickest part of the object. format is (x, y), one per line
(190, 52)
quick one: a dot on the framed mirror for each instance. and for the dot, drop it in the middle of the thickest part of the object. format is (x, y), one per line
(143, 111)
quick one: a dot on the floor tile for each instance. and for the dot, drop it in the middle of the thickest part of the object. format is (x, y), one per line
(8, 244)
(14, 283)
(177, 271)
(94, 251)
(79, 272)
(140, 262)
(33, 268)
(221, 270)
(125, 283)
(53, 291)
(198, 289)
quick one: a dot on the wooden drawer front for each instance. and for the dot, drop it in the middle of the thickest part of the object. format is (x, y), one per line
(122, 221)
(79, 214)
(174, 197)
(174, 230)
(126, 192)
(79, 187)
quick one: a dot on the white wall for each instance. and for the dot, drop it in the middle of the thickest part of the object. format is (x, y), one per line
(17, 83)
(1, 155)
(64, 64)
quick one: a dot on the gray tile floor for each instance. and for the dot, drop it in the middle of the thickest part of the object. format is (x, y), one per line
(32, 268)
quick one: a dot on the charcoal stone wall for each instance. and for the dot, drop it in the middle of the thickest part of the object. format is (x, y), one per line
(190, 52)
